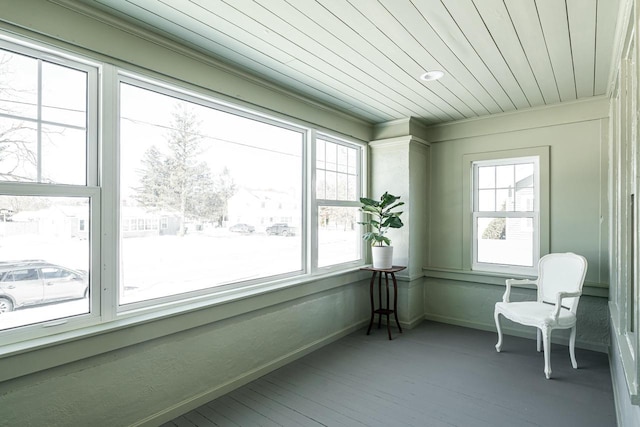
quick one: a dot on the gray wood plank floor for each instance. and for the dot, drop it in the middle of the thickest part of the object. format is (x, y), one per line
(433, 375)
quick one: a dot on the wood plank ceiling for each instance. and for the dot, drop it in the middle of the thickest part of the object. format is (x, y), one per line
(364, 57)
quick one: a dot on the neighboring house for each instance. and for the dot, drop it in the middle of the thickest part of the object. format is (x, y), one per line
(73, 222)
(243, 207)
(138, 222)
(519, 199)
(58, 221)
(262, 208)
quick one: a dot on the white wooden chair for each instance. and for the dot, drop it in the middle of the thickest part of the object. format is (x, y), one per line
(559, 283)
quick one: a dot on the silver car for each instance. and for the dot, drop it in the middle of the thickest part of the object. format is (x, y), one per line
(34, 282)
(242, 228)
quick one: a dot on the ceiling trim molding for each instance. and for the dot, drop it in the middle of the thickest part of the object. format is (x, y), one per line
(398, 141)
(400, 127)
(585, 109)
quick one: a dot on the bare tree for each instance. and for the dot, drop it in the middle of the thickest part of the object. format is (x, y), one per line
(16, 147)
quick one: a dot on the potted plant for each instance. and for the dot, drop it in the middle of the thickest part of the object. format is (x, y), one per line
(381, 217)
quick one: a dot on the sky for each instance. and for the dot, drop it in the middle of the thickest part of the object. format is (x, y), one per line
(258, 155)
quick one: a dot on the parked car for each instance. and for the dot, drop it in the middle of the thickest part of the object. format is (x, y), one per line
(280, 229)
(242, 228)
(35, 282)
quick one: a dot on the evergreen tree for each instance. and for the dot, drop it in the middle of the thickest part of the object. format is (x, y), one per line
(496, 230)
(178, 181)
(155, 175)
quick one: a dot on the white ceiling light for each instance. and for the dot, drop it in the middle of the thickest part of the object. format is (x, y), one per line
(432, 75)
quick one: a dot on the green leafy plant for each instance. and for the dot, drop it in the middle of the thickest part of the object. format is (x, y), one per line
(381, 217)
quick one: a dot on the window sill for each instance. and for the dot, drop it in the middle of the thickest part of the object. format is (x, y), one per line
(34, 355)
(489, 278)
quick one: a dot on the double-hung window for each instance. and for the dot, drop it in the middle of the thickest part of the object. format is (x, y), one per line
(506, 214)
(49, 195)
(337, 193)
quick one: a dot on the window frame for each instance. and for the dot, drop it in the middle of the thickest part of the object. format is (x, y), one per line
(204, 99)
(534, 215)
(541, 217)
(90, 189)
(624, 237)
(317, 203)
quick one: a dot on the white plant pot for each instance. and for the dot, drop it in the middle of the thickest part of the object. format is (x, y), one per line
(382, 256)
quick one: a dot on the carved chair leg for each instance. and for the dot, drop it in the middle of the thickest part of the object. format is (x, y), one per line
(496, 315)
(546, 344)
(572, 348)
(538, 340)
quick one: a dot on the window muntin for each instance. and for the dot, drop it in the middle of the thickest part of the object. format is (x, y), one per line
(43, 120)
(338, 190)
(506, 214)
(336, 171)
(506, 188)
(199, 171)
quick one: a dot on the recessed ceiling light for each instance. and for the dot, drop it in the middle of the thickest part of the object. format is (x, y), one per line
(431, 75)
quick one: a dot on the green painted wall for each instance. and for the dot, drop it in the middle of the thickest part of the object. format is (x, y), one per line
(576, 134)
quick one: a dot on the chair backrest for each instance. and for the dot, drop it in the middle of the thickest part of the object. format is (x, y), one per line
(561, 272)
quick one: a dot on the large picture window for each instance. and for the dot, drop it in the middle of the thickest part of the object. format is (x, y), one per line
(226, 186)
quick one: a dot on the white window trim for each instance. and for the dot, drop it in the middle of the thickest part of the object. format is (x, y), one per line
(541, 219)
(624, 234)
(317, 203)
(534, 215)
(90, 190)
(176, 91)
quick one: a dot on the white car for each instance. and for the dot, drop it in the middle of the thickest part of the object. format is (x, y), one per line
(34, 282)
